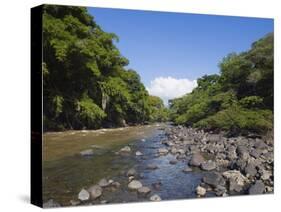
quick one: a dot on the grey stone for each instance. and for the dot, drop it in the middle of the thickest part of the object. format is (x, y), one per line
(196, 160)
(83, 195)
(235, 176)
(138, 153)
(125, 149)
(87, 152)
(104, 182)
(131, 172)
(163, 151)
(257, 188)
(144, 190)
(214, 179)
(173, 162)
(152, 166)
(208, 165)
(200, 191)
(95, 191)
(135, 185)
(187, 169)
(250, 170)
(155, 197)
(51, 204)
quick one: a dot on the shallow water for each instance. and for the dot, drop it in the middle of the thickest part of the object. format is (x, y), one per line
(66, 172)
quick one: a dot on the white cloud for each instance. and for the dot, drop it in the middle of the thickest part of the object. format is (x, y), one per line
(169, 87)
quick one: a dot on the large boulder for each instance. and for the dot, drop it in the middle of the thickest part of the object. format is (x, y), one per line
(196, 159)
(95, 191)
(134, 185)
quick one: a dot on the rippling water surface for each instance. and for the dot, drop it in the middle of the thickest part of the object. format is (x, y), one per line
(66, 172)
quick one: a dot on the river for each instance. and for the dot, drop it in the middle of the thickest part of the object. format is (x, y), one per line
(66, 172)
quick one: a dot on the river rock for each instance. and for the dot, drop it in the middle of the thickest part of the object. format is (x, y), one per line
(134, 185)
(138, 153)
(257, 188)
(103, 201)
(214, 179)
(250, 170)
(74, 202)
(200, 191)
(163, 151)
(265, 175)
(187, 169)
(235, 177)
(259, 144)
(255, 153)
(173, 162)
(125, 149)
(131, 172)
(241, 150)
(214, 137)
(220, 190)
(208, 165)
(196, 160)
(116, 184)
(51, 204)
(95, 191)
(104, 182)
(84, 195)
(131, 178)
(144, 190)
(155, 198)
(87, 152)
(157, 185)
(152, 166)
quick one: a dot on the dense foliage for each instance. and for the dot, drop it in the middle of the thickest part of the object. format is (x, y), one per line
(86, 84)
(239, 99)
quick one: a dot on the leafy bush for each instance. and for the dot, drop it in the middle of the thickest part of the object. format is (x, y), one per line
(239, 119)
(251, 102)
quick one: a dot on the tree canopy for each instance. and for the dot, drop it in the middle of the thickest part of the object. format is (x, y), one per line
(85, 80)
(239, 99)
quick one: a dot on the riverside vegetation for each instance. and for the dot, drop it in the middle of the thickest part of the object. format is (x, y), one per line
(220, 141)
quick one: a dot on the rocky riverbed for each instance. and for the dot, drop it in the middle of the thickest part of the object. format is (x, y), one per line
(234, 165)
(175, 162)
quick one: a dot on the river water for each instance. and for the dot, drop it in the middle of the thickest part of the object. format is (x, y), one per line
(66, 172)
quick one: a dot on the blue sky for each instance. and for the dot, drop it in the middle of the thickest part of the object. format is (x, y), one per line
(181, 46)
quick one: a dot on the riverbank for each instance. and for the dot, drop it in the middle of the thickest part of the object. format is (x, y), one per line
(160, 163)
